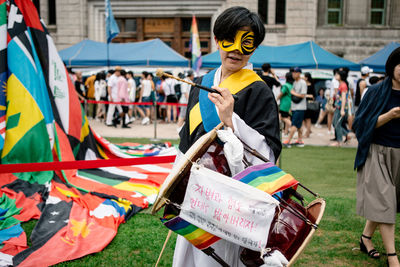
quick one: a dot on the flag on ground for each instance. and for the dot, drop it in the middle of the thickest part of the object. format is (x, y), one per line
(78, 212)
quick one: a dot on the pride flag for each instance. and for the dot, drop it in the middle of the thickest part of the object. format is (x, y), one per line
(195, 42)
(266, 177)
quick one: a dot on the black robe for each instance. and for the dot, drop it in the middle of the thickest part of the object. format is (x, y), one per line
(255, 105)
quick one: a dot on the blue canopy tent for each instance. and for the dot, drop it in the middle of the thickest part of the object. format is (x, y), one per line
(304, 55)
(148, 53)
(378, 60)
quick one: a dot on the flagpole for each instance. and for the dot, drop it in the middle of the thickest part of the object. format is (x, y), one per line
(108, 58)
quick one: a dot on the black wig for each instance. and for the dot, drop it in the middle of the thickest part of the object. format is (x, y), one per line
(234, 18)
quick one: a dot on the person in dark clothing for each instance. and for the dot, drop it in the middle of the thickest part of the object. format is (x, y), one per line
(269, 76)
(80, 86)
(310, 96)
(361, 85)
(377, 127)
(253, 117)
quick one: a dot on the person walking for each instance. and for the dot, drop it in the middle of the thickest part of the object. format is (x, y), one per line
(377, 128)
(330, 109)
(322, 100)
(112, 85)
(185, 89)
(100, 93)
(361, 85)
(310, 96)
(89, 84)
(145, 97)
(341, 111)
(285, 103)
(79, 86)
(132, 96)
(269, 77)
(123, 96)
(169, 90)
(299, 106)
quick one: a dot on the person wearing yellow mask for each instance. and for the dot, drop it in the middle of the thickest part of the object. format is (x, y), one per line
(253, 116)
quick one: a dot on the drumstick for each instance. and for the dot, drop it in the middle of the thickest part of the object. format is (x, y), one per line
(160, 72)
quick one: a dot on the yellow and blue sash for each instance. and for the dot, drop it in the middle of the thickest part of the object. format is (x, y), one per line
(205, 111)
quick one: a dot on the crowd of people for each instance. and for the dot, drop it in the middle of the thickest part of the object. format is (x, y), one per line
(301, 103)
(103, 93)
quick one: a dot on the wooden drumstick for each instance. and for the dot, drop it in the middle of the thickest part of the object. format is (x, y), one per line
(160, 72)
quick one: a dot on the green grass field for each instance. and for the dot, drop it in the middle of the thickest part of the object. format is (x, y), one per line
(327, 171)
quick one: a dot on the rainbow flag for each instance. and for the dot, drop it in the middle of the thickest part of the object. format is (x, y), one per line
(195, 46)
(266, 177)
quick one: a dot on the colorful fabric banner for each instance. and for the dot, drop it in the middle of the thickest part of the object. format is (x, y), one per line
(3, 70)
(78, 212)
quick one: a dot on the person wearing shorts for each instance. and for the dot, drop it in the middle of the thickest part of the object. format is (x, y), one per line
(298, 109)
(169, 91)
(285, 102)
(147, 86)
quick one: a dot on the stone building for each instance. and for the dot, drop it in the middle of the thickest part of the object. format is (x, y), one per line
(352, 29)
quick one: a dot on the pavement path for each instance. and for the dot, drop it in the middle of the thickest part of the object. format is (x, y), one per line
(318, 137)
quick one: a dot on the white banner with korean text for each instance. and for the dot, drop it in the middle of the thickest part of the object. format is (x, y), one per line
(227, 208)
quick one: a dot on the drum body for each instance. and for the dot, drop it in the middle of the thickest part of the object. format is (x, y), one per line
(289, 234)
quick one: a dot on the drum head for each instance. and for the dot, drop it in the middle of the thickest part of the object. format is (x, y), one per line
(182, 167)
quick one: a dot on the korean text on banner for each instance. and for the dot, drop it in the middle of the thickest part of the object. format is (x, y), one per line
(227, 208)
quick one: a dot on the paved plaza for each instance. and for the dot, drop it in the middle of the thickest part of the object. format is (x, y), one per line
(319, 136)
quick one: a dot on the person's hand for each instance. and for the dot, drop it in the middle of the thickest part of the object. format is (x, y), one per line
(342, 113)
(224, 103)
(111, 99)
(394, 113)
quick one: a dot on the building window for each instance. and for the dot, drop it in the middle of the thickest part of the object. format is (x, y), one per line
(280, 12)
(203, 24)
(126, 25)
(263, 10)
(52, 12)
(378, 12)
(334, 12)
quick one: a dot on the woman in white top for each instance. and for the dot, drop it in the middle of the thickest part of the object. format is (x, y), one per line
(100, 93)
(170, 95)
(147, 86)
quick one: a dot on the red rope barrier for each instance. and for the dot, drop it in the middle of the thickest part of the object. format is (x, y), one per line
(132, 103)
(82, 164)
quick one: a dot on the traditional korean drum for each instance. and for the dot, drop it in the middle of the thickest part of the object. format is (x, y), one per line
(292, 225)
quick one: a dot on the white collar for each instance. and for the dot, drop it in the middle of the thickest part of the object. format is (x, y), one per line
(217, 76)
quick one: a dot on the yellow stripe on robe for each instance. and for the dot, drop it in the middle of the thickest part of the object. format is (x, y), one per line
(235, 83)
